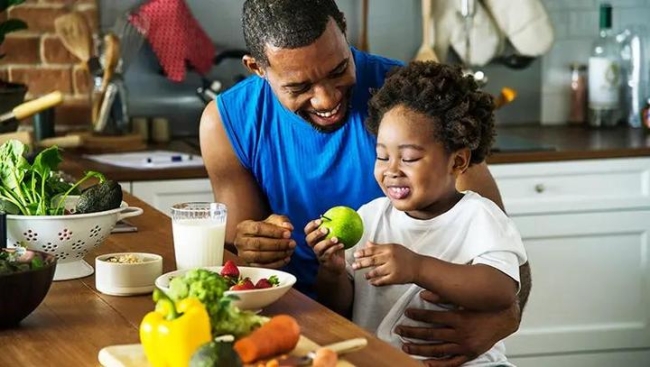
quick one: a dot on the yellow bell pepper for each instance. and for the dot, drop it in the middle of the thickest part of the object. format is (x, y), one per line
(174, 331)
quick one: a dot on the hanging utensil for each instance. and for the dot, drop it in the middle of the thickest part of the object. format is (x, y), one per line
(467, 11)
(426, 52)
(111, 59)
(363, 35)
(75, 34)
(131, 38)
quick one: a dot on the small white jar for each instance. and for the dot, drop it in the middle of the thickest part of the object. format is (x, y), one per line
(127, 273)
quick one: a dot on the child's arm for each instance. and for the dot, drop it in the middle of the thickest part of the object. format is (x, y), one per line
(336, 291)
(333, 286)
(477, 287)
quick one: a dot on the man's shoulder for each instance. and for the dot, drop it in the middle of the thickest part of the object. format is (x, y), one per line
(250, 85)
(373, 60)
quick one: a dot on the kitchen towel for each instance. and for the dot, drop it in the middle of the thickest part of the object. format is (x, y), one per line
(525, 23)
(176, 37)
(485, 38)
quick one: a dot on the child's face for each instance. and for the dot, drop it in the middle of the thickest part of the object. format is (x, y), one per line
(412, 168)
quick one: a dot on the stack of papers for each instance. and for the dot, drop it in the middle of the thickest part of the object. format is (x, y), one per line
(156, 159)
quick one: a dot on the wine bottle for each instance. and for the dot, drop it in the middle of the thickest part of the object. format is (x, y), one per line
(604, 74)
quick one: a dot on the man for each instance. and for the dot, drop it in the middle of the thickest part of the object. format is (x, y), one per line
(283, 146)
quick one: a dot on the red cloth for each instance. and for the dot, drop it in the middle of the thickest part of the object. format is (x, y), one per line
(175, 37)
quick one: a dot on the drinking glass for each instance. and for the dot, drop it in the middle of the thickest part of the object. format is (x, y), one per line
(199, 230)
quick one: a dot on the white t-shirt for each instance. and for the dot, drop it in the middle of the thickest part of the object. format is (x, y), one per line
(474, 231)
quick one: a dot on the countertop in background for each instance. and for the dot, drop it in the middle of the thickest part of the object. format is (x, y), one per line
(522, 144)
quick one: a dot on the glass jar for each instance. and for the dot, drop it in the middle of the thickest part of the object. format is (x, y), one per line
(578, 99)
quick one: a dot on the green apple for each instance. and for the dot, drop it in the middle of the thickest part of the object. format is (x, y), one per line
(343, 223)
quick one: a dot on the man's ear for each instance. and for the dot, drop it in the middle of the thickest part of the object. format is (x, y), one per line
(253, 66)
(461, 160)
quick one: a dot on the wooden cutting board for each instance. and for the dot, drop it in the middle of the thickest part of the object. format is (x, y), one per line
(132, 355)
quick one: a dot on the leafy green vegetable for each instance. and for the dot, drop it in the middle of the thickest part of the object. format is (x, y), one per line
(209, 288)
(29, 189)
(20, 259)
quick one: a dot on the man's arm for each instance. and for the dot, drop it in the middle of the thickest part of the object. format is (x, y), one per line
(479, 179)
(231, 183)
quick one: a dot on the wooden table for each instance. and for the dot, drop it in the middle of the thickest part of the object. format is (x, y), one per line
(75, 320)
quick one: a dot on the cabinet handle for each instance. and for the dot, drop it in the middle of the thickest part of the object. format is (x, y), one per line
(540, 188)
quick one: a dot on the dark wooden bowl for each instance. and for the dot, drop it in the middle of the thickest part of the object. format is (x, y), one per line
(23, 291)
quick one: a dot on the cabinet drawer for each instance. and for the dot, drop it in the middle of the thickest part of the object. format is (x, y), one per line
(574, 185)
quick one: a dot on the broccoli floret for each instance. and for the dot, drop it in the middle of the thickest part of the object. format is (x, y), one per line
(209, 288)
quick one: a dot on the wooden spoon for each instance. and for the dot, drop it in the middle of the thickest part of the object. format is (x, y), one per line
(363, 35)
(426, 52)
(111, 60)
(75, 34)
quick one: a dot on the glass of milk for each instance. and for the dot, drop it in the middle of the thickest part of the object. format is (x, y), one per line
(199, 232)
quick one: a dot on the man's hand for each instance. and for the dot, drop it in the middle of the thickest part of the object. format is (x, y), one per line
(267, 243)
(464, 334)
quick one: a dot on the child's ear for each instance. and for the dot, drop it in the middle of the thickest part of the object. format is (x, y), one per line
(461, 160)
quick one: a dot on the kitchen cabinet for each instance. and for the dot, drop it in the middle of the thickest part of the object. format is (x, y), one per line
(586, 227)
(165, 193)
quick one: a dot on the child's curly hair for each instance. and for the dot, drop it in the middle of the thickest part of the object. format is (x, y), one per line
(462, 115)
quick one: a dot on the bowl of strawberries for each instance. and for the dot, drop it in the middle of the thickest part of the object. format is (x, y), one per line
(255, 288)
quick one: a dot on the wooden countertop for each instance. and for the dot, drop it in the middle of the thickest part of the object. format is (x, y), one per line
(570, 143)
(75, 320)
(574, 143)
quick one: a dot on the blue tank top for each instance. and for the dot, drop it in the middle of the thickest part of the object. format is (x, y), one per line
(301, 171)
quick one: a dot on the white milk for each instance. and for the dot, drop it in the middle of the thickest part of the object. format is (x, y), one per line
(198, 242)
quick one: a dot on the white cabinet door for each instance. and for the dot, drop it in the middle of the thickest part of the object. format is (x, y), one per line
(163, 194)
(628, 358)
(591, 284)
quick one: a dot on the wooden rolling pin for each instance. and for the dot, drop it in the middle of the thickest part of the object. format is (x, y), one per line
(32, 107)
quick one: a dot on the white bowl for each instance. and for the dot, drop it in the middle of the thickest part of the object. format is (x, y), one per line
(126, 279)
(254, 299)
(68, 237)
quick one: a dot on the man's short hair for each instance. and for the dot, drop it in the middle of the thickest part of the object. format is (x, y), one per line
(286, 24)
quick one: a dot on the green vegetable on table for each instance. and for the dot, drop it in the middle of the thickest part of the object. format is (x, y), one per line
(209, 288)
(19, 260)
(29, 189)
(216, 354)
(97, 198)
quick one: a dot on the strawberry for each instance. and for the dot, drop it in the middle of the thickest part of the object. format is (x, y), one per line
(230, 272)
(267, 283)
(243, 285)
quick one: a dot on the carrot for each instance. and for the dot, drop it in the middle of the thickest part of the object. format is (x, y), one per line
(278, 335)
(325, 358)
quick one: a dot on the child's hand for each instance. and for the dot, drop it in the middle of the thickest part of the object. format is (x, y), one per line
(329, 252)
(392, 263)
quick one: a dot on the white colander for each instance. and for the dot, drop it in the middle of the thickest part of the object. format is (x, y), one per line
(69, 237)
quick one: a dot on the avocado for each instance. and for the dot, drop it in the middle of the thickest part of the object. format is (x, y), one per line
(216, 354)
(103, 196)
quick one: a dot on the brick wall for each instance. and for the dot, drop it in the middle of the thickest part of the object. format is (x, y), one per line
(37, 58)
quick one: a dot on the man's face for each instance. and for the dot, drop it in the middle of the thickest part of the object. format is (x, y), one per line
(314, 81)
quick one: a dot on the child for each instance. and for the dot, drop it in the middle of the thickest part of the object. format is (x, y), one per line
(431, 123)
